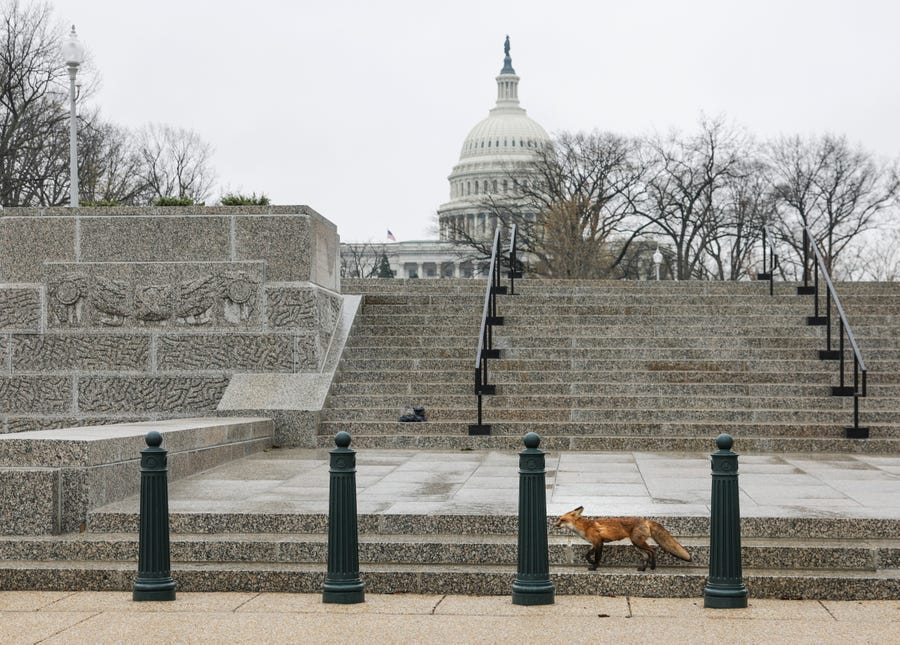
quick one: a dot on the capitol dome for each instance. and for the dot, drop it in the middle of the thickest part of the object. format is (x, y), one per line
(491, 154)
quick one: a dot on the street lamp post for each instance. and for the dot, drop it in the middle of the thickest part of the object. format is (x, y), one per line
(657, 260)
(73, 53)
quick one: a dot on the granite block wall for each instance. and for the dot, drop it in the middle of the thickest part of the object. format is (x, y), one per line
(126, 314)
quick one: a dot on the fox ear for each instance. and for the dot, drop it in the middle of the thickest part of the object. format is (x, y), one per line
(578, 511)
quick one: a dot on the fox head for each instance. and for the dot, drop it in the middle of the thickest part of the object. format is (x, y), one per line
(569, 518)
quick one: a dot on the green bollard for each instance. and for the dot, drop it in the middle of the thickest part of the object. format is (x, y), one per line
(725, 585)
(342, 583)
(532, 585)
(154, 580)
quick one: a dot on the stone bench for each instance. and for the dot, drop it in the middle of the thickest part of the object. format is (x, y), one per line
(50, 479)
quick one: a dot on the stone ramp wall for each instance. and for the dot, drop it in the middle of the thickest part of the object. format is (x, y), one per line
(124, 314)
(50, 479)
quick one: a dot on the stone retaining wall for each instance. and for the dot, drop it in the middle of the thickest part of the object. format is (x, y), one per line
(123, 314)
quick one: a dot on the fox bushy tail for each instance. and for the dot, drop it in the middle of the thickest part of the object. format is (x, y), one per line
(668, 544)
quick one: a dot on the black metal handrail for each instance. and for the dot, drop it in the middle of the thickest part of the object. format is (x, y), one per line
(768, 244)
(513, 261)
(858, 389)
(489, 319)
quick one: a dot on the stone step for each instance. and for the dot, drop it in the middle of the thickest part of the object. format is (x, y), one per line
(547, 285)
(521, 340)
(465, 387)
(621, 400)
(455, 579)
(466, 374)
(565, 550)
(655, 443)
(623, 413)
(606, 429)
(426, 362)
(542, 307)
(123, 518)
(677, 353)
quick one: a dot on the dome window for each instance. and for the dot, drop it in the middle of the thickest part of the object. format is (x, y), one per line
(498, 143)
(495, 186)
(489, 144)
(505, 185)
(468, 188)
(485, 187)
(482, 144)
(513, 143)
(476, 187)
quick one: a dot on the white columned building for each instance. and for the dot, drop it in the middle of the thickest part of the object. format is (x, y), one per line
(491, 154)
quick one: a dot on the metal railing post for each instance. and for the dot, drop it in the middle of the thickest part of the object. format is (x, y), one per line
(805, 290)
(485, 349)
(858, 390)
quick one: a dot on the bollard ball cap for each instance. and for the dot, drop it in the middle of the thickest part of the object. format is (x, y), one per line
(724, 442)
(342, 439)
(153, 439)
(532, 440)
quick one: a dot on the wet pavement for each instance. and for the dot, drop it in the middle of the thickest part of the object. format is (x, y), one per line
(486, 482)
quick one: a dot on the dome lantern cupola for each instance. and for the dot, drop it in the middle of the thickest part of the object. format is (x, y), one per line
(494, 159)
(507, 81)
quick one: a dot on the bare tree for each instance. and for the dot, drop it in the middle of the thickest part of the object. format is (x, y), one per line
(746, 205)
(175, 162)
(365, 260)
(684, 188)
(566, 202)
(875, 259)
(109, 165)
(33, 84)
(837, 190)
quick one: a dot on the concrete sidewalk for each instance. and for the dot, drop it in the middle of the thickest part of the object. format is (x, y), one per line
(112, 617)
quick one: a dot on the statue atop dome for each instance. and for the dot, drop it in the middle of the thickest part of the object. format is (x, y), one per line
(507, 61)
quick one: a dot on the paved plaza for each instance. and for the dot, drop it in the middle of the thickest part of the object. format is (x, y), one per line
(486, 482)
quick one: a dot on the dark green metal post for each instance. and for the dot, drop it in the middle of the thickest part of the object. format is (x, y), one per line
(154, 580)
(532, 585)
(342, 583)
(725, 585)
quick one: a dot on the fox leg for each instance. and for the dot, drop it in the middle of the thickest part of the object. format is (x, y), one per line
(647, 551)
(593, 556)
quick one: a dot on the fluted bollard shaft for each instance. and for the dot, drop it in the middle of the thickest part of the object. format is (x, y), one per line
(725, 585)
(342, 583)
(532, 585)
(154, 580)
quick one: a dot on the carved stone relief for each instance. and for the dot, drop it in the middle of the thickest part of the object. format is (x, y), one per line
(66, 296)
(141, 297)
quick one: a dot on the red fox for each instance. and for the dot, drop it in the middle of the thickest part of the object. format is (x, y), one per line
(609, 529)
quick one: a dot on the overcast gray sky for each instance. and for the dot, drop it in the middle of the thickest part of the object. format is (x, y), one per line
(359, 109)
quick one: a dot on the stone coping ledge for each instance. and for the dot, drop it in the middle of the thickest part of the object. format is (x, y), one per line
(104, 444)
(154, 211)
(51, 479)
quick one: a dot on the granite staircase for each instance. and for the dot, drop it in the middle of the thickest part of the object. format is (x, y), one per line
(614, 365)
(455, 554)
